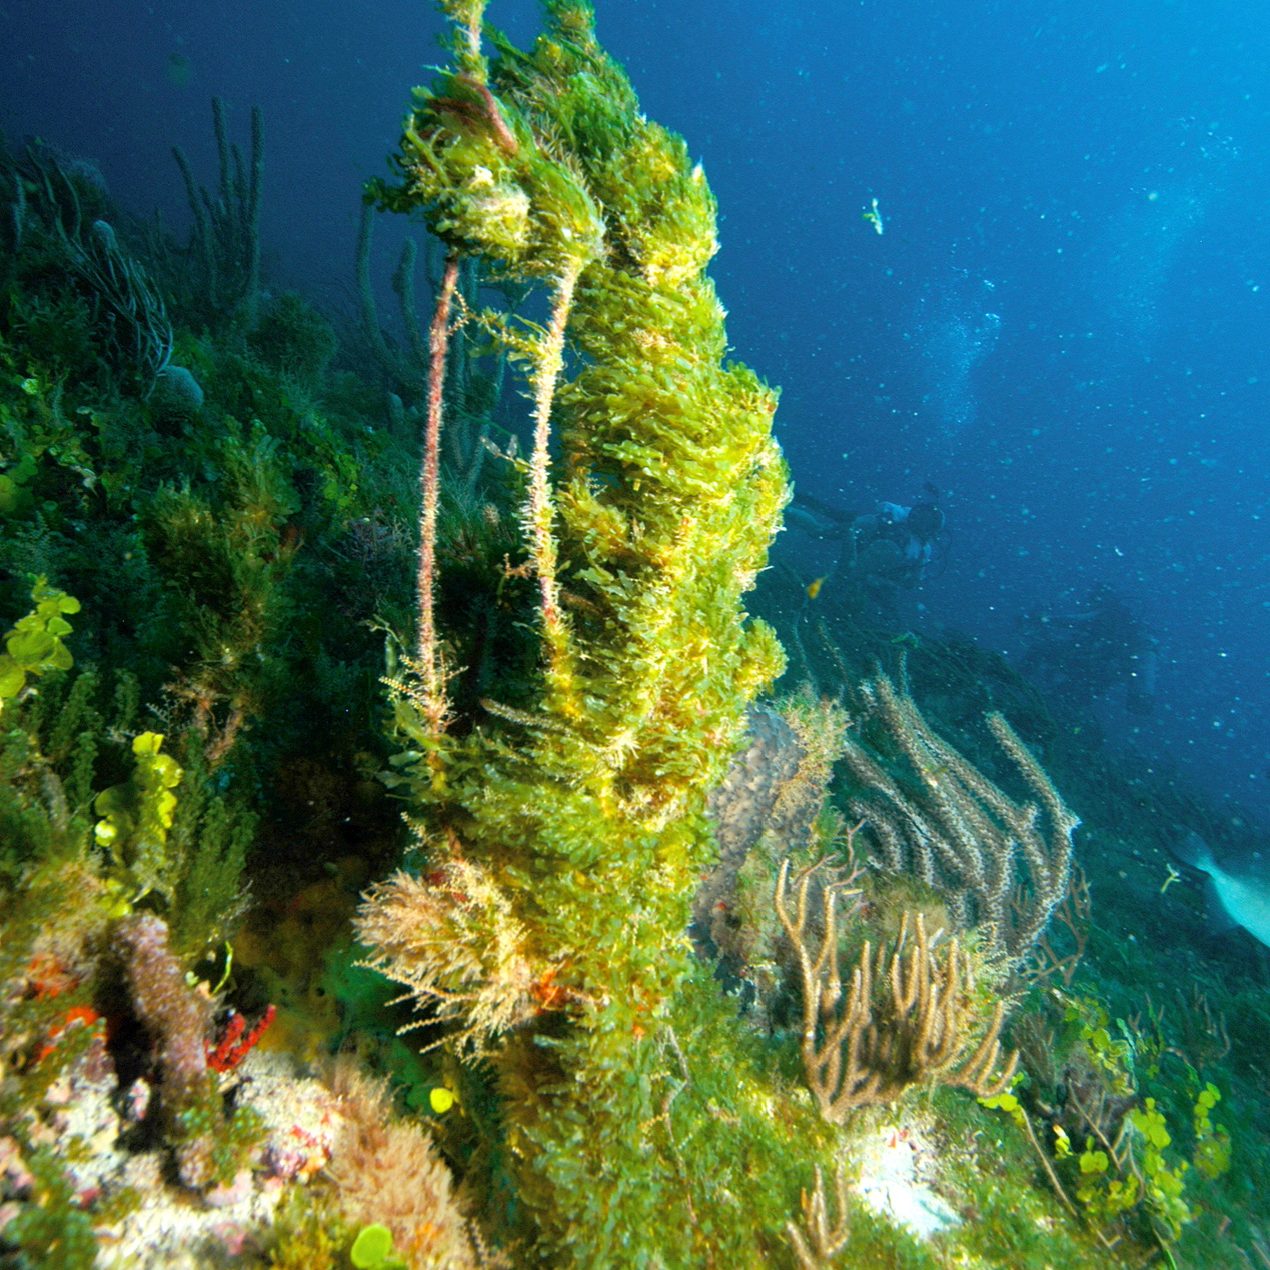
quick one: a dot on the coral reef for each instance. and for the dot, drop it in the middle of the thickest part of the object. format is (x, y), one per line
(126, 310)
(225, 238)
(387, 1171)
(1000, 864)
(138, 775)
(551, 819)
(178, 1020)
(821, 1238)
(293, 338)
(631, 1013)
(775, 789)
(906, 1019)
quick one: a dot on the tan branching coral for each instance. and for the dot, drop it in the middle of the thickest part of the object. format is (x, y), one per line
(906, 1019)
(821, 1237)
(1001, 865)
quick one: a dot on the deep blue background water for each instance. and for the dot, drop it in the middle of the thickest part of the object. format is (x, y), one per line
(1064, 326)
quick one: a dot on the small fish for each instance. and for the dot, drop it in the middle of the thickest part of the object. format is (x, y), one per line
(1241, 899)
(441, 1099)
(874, 217)
(813, 588)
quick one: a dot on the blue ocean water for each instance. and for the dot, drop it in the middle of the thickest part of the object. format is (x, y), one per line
(1063, 327)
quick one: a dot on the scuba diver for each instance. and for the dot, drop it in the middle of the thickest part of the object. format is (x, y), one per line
(895, 545)
(1084, 651)
(878, 555)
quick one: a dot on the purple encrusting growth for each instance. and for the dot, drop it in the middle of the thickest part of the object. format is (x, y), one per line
(176, 1017)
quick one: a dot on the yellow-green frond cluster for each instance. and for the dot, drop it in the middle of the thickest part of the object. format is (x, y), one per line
(652, 492)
